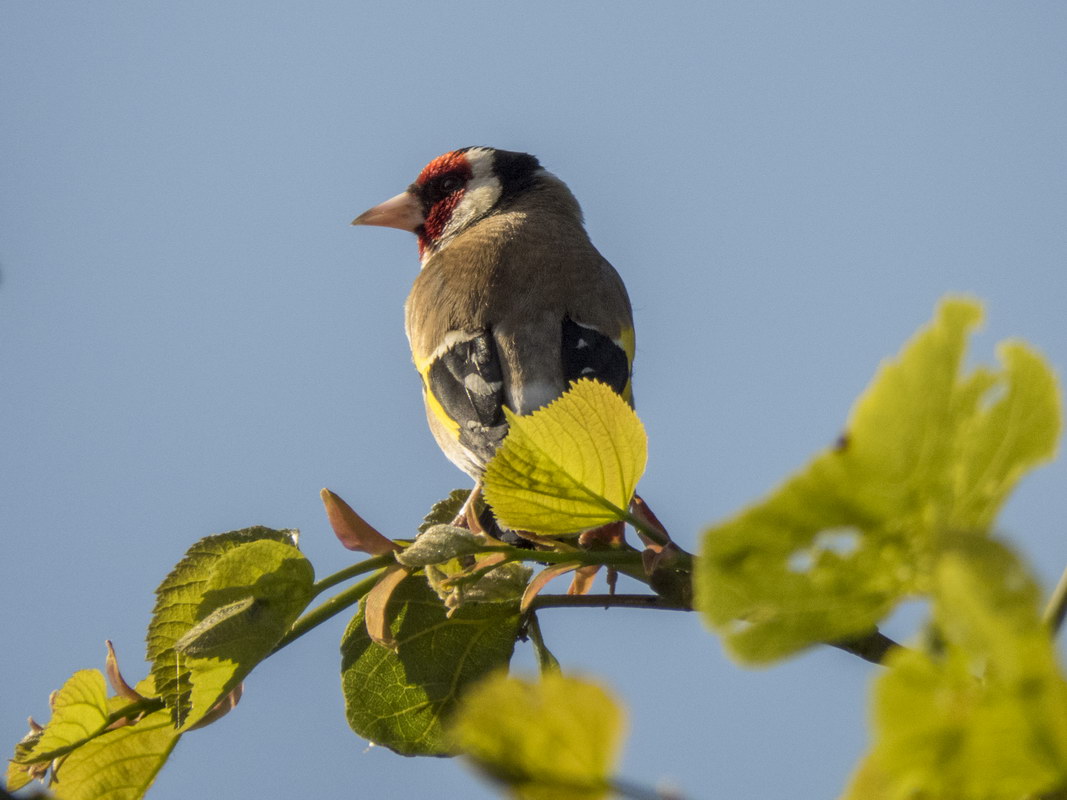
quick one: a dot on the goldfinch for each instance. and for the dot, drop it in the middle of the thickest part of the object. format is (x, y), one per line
(512, 301)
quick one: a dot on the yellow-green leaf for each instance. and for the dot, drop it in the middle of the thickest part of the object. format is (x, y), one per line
(120, 764)
(220, 611)
(558, 737)
(984, 713)
(256, 592)
(928, 452)
(79, 711)
(570, 466)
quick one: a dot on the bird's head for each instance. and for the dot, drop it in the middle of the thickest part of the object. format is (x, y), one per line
(456, 190)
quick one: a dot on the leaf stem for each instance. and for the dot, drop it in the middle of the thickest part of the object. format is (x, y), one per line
(368, 565)
(1056, 609)
(335, 605)
(545, 660)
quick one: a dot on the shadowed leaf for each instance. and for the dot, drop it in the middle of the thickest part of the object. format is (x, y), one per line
(399, 698)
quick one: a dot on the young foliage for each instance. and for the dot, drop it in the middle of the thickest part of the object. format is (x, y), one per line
(553, 739)
(570, 466)
(220, 612)
(351, 530)
(928, 452)
(399, 697)
(444, 511)
(457, 575)
(79, 712)
(119, 765)
(981, 710)
(96, 747)
(438, 544)
(904, 504)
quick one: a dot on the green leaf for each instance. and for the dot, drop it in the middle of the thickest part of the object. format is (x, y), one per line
(79, 711)
(220, 612)
(928, 452)
(440, 543)
(444, 511)
(118, 765)
(18, 773)
(558, 737)
(482, 583)
(398, 699)
(984, 714)
(458, 573)
(570, 466)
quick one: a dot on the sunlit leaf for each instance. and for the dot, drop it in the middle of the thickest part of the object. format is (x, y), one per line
(220, 612)
(398, 698)
(79, 711)
(570, 466)
(984, 713)
(558, 737)
(120, 764)
(928, 451)
(867, 782)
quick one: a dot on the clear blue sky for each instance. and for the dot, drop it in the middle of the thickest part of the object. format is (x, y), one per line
(193, 339)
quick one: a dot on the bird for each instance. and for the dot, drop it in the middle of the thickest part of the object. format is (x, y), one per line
(512, 302)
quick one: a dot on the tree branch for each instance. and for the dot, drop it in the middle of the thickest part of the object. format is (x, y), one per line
(1056, 609)
(606, 601)
(873, 647)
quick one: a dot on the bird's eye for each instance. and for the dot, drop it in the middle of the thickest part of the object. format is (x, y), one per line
(440, 188)
(450, 183)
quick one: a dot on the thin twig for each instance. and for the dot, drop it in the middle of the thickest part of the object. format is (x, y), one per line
(1056, 609)
(359, 568)
(606, 601)
(873, 647)
(335, 605)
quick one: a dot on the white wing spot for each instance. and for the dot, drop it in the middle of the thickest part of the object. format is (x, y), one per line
(477, 384)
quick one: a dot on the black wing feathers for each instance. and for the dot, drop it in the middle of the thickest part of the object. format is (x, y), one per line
(468, 382)
(587, 353)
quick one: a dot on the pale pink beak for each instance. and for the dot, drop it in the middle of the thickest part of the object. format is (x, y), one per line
(403, 211)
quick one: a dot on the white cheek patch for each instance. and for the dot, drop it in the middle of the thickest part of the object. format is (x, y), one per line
(479, 197)
(482, 191)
